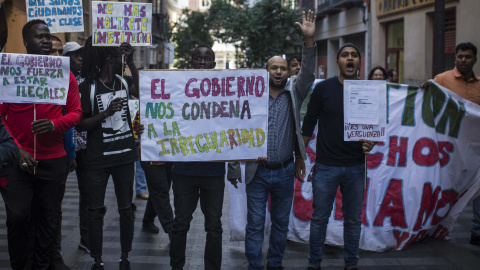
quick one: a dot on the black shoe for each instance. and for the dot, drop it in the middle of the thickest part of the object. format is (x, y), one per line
(125, 264)
(150, 227)
(351, 268)
(475, 240)
(275, 267)
(97, 266)
(314, 268)
(57, 263)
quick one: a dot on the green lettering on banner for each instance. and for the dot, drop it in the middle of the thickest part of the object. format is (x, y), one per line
(262, 134)
(223, 139)
(5, 82)
(166, 132)
(192, 150)
(151, 131)
(210, 145)
(408, 117)
(63, 93)
(183, 145)
(176, 130)
(453, 114)
(204, 147)
(433, 97)
(251, 141)
(173, 146)
(164, 150)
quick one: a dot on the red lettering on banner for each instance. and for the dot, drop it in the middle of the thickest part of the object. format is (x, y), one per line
(302, 208)
(449, 198)
(373, 161)
(400, 236)
(400, 149)
(429, 159)
(338, 205)
(443, 148)
(162, 94)
(392, 206)
(429, 201)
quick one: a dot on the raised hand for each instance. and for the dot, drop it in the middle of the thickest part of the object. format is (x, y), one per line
(308, 27)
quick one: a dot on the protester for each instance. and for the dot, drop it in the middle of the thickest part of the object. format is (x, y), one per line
(274, 175)
(193, 181)
(140, 181)
(159, 181)
(294, 65)
(392, 76)
(56, 259)
(111, 147)
(463, 81)
(75, 52)
(377, 73)
(35, 187)
(338, 163)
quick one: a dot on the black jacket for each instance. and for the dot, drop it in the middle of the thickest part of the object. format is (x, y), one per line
(8, 148)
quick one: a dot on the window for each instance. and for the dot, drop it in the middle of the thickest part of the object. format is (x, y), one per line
(204, 3)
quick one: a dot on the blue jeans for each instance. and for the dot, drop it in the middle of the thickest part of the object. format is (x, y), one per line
(325, 183)
(140, 180)
(280, 185)
(476, 217)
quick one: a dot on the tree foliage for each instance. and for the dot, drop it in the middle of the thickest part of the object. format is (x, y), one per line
(189, 32)
(262, 31)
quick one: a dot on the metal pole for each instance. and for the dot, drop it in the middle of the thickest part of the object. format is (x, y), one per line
(439, 37)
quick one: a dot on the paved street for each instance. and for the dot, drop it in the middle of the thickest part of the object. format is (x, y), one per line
(150, 251)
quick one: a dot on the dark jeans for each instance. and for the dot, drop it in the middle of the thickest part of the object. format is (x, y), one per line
(159, 181)
(57, 242)
(187, 190)
(33, 196)
(97, 180)
(83, 198)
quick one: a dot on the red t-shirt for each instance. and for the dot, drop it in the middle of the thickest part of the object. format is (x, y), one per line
(18, 118)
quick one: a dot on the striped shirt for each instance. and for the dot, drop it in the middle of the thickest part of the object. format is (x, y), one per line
(281, 133)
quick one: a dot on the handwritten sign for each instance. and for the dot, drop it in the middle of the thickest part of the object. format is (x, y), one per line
(117, 22)
(31, 78)
(365, 106)
(60, 15)
(204, 115)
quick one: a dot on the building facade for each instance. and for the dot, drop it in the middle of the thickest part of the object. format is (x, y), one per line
(402, 35)
(340, 22)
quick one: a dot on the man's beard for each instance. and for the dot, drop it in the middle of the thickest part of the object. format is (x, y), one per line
(280, 85)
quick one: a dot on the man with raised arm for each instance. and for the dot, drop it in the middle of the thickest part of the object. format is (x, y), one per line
(274, 175)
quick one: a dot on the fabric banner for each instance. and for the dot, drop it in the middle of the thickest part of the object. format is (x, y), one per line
(31, 78)
(194, 115)
(117, 22)
(419, 179)
(61, 16)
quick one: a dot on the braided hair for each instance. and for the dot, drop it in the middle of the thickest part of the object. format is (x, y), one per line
(94, 58)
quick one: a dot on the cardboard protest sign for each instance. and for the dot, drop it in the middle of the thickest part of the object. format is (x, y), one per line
(204, 115)
(117, 22)
(31, 78)
(365, 110)
(60, 15)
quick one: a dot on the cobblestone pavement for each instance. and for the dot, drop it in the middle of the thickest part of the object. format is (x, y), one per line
(150, 251)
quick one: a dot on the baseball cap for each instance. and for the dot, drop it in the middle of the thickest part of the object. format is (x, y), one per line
(71, 46)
